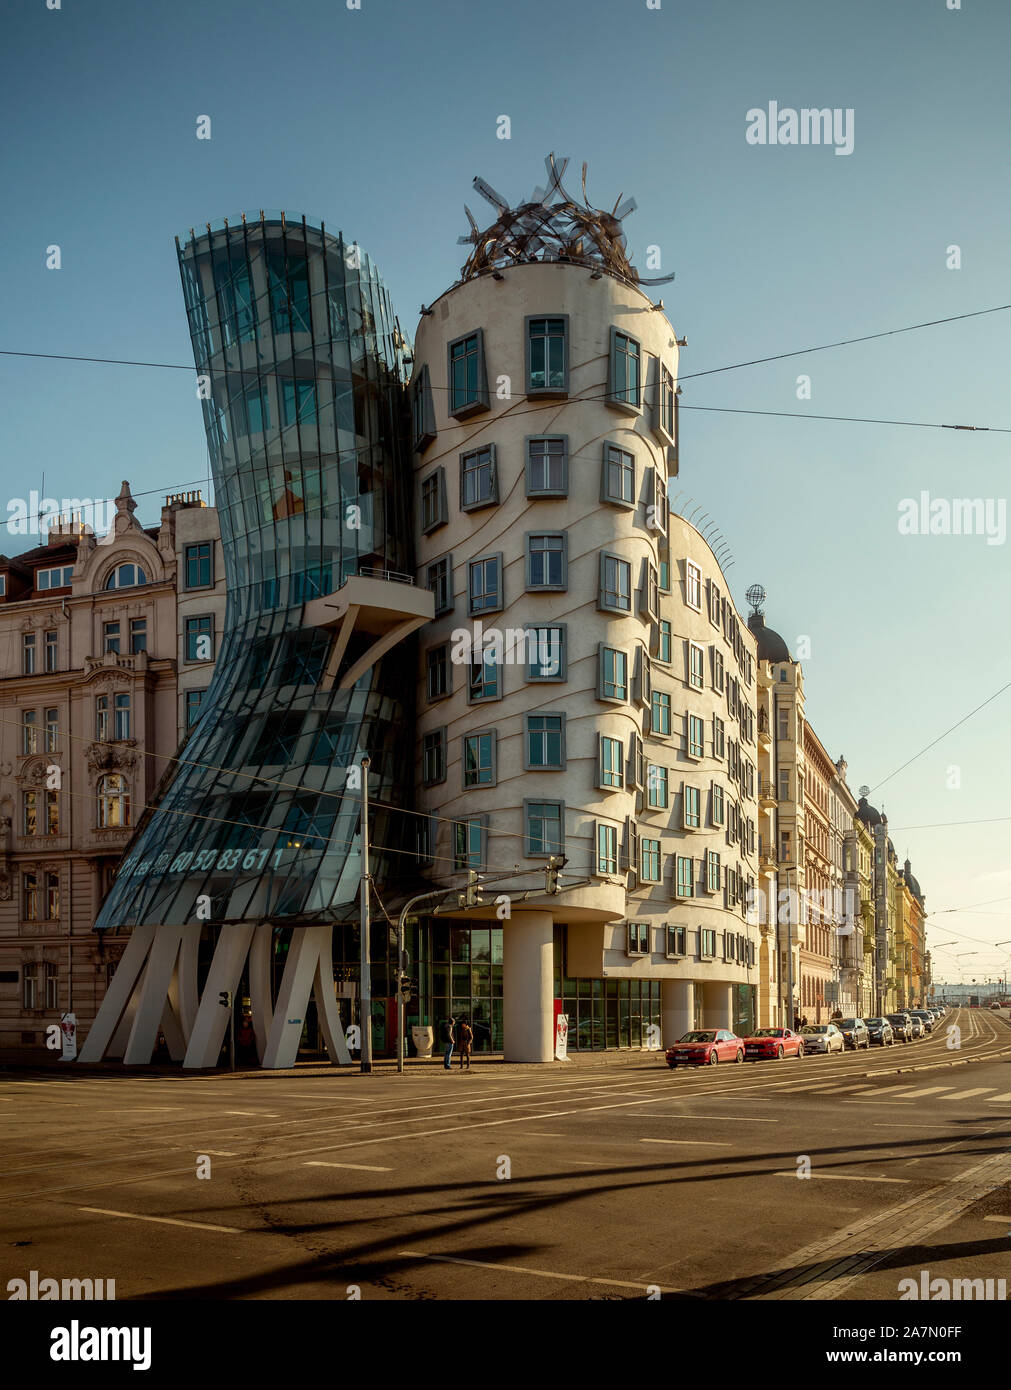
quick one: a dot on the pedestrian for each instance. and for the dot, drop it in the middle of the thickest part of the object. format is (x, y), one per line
(466, 1042)
(245, 1038)
(448, 1040)
(803, 1021)
(796, 1023)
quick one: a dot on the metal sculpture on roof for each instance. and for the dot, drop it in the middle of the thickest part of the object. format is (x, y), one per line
(552, 226)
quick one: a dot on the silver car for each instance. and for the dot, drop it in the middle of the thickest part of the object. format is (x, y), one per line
(822, 1037)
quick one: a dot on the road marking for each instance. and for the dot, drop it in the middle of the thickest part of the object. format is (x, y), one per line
(964, 1095)
(257, 1114)
(1005, 1219)
(852, 1100)
(927, 1091)
(880, 1124)
(1003, 1098)
(741, 1119)
(843, 1177)
(522, 1269)
(705, 1143)
(363, 1167)
(837, 1090)
(165, 1220)
(220, 1153)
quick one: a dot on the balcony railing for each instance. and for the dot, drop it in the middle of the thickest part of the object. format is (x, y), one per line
(393, 576)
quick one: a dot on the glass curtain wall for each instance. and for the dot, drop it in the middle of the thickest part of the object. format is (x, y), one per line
(300, 370)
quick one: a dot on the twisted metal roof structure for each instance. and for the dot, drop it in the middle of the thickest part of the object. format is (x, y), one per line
(552, 226)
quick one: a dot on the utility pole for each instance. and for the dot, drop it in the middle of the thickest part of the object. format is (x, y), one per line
(791, 1011)
(365, 989)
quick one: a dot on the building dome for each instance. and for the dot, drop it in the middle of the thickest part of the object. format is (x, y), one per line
(771, 646)
(867, 813)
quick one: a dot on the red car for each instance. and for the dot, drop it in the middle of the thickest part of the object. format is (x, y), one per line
(705, 1047)
(773, 1042)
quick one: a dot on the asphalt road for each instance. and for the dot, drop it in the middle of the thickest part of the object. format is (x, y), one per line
(556, 1182)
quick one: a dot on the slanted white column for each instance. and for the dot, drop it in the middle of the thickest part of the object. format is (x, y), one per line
(117, 996)
(208, 1034)
(309, 967)
(718, 1004)
(259, 985)
(528, 998)
(152, 1002)
(677, 1009)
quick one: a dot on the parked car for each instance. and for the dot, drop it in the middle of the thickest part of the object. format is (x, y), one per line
(773, 1042)
(880, 1031)
(705, 1047)
(855, 1034)
(928, 1022)
(902, 1026)
(822, 1037)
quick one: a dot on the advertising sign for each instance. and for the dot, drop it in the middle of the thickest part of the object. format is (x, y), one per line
(68, 1027)
(561, 1037)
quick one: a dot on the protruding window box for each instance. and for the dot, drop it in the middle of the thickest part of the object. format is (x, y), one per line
(382, 605)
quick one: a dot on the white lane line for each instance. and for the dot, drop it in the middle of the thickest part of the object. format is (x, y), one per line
(741, 1119)
(257, 1114)
(529, 1134)
(852, 1100)
(221, 1153)
(362, 1167)
(837, 1090)
(927, 1091)
(703, 1143)
(880, 1124)
(842, 1177)
(1003, 1098)
(522, 1269)
(964, 1095)
(1006, 1219)
(165, 1220)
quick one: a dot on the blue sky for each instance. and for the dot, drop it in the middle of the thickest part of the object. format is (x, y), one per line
(377, 120)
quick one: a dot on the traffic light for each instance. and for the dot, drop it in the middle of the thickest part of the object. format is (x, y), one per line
(552, 875)
(408, 988)
(471, 897)
(225, 998)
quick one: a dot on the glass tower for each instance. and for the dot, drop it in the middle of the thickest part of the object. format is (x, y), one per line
(300, 370)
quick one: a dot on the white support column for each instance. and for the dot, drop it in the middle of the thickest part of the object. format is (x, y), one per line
(259, 985)
(211, 1021)
(117, 996)
(183, 993)
(718, 1003)
(172, 1028)
(527, 979)
(309, 965)
(152, 998)
(677, 1009)
(326, 1003)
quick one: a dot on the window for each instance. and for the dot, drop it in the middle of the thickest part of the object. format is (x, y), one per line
(469, 838)
(52, 974)
(478, 479)
(545, 742)
(626, 372)
(434, 508)
(138, 635)
(544, 824)
(719, 737)
(659, 719)
(684, 876)
(193, 700)
(28, 654)
(483, 676)
(658, 519)
(433, 757)
(288, 279)
(638, 938)
(198, 565)
(617, 484)
(613, 674)
(547, 356)
(422, 410)
(677, 941)
(610, 763)
(664, 642)
(636, 761)
(121, 727)
(665, 576)
(125, 577)
(693, 586)
(691, 816)
(29, 731)
(548, 466)
(783, 721)
(719, 809)
(696, 666)
(102, 724)
(439, 578)
(110, 637)
(51, 651)
(59, 578)
(714, 604)
(438, 670)
(468, 382)
(606, 848)
(113, 802)
(29, 813)
(642, 683)
(51, 718)
(784, 784)
(664, 421)
(29, 973)
(650, 592)
(546, 560)
(298, 400)
(696, 736)
(484, 584)
(615, 584)
(649, 861)
(52, 813)
(656, 787)
(479, 759)
(712, 871)
(200, 638)
(545, 653)
(718, 669)
(707, 941)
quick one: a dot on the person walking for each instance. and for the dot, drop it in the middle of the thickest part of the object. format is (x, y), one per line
(448, 1040)
(466, 1042)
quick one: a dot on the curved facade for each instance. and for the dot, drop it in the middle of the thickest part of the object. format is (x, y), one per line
(609, 715)
(299, 361)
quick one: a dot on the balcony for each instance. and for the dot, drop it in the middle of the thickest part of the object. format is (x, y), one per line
(766, 795)
(764, 733)
(376, 603)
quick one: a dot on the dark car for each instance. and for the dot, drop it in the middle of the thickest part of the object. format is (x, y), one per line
(773, 1042)
(854, 1031)
(925, 1018)
(705, 1047)
(880, 1031)
(902, 1026)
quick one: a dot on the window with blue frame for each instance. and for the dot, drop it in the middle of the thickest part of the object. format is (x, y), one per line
(257, 409)
(299, 401)
(289, 293)
(198, 565)
(194, 699)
